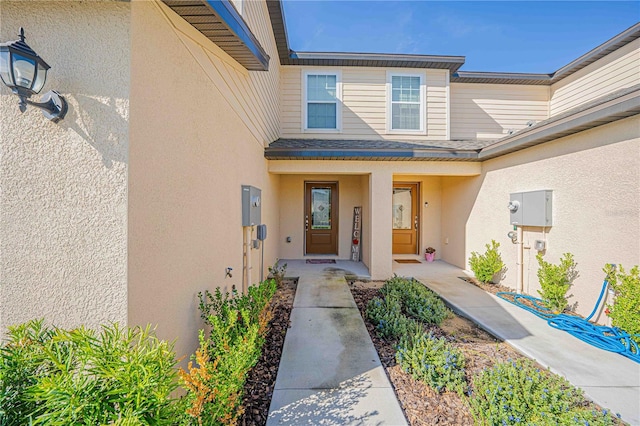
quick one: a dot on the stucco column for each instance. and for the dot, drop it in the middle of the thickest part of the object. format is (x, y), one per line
(380, 199)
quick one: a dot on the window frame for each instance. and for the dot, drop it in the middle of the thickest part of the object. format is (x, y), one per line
(305, 101)
(423, 104)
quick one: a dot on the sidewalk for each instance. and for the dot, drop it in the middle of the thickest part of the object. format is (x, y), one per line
(610, 380)
(330, 372)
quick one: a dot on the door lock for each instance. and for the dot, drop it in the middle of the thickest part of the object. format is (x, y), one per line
(415, 222)
(306, 223)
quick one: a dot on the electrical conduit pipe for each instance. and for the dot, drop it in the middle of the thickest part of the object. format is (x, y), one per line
(520, 262)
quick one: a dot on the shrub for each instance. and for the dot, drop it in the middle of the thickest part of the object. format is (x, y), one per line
(277, 272)
(19, 370)
(386, 315)
(485, 266)
(416, 300)
(115, 376)
(433, 361)
(518, 392)
(238, 326)
(625, 312)
(555, 281)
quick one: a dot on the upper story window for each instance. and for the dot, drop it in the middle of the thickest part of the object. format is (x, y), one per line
(406, 95)
(322, 93)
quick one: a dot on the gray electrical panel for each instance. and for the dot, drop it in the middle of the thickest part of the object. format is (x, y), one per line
(251, 201)
(531, 208)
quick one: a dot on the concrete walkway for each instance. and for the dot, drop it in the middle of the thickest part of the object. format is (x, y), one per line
(330, 373)
(609, 379)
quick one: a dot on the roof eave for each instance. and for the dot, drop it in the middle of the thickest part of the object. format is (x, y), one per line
(370, 154)
(220, 22)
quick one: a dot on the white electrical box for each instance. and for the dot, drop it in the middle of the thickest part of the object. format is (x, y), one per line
(531, 208)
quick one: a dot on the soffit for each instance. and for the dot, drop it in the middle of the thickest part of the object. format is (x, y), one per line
(220, 22)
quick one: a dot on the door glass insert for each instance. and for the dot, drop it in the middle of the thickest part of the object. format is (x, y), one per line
(321, 208)
(402, 216)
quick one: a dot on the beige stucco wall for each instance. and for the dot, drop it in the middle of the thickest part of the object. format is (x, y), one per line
(595, 178)
(366, 183)
(193, 145)
(291, 201)
(63, 210)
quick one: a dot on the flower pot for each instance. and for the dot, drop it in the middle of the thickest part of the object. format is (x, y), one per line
(429, 256)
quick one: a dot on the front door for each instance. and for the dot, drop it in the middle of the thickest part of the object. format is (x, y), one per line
(405, 218)
(321, 217)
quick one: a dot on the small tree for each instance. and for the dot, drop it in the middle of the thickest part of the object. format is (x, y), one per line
(555, 281)
(625, 311)
(485, 266)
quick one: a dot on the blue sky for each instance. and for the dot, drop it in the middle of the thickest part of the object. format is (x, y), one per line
(508, 36)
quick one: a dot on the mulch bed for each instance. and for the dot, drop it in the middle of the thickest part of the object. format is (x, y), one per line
(421, 404)
(261, 381)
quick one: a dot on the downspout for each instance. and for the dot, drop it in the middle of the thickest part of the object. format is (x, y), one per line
(520, 262)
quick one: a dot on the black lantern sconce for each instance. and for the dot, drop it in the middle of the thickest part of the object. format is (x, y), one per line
(24, 72)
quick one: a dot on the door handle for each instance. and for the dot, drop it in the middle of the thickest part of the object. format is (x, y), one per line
(306, 223)
(415, 222)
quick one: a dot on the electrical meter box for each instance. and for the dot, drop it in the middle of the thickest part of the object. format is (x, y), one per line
(531, 208)
(251, 201)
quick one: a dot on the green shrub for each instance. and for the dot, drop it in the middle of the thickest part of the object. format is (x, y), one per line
(416, 300)
(555, 281)
(433, 361)
(277, 272)
(19, 370)
(625, 311)
(518, 392)
(386, 315)
(238, 327)
(485, 266)
(114, 376)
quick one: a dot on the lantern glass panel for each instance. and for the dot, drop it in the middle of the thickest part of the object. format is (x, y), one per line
(5, 72)
(41, 77)
(24, 70)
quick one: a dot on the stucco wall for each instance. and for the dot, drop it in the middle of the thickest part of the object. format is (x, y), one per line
(193, 146)
(291, 203)
(595, 178)
(63, 210)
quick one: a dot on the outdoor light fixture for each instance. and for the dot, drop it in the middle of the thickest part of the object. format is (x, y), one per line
(24, 72)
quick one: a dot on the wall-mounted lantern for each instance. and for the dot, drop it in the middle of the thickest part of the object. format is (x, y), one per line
(24, 72)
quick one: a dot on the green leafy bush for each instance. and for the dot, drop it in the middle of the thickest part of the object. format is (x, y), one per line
(114, 376)
(386, 315)
(238, 327)
(19, 370)
(485, 266)
(416, 300)
(277, 272)
(555, 281)
(433, 361)
(625, 311)
(518, 392)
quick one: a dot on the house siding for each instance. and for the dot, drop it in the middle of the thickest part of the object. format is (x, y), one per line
(364, 104)
(188, 161)
(618, 70)
(489, 111)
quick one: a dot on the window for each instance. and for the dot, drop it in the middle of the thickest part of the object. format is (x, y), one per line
(322, 101)
(405, 106)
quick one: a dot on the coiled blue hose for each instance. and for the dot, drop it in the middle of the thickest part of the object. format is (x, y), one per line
(610, 339)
